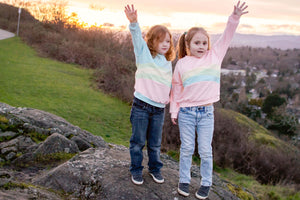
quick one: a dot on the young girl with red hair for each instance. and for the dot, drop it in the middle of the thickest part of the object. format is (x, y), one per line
(153, 80)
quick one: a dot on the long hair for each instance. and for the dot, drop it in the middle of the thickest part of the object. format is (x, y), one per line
(185, 40)
(154, 36)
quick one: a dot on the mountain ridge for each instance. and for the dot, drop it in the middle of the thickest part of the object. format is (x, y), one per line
(283, 42)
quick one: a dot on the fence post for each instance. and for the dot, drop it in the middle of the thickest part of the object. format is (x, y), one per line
(19, 11)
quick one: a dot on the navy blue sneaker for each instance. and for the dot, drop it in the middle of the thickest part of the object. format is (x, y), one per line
(183, 189)
(157, 177)
(203, 192)
(137, 179)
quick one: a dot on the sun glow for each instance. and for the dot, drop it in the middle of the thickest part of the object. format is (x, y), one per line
(117, 20)
(110, 14)
(97, 17)
(178, 21)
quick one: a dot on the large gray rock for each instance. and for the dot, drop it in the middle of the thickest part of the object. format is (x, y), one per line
(104, 174)
(28, 123)
(95, 173)
(57, 143)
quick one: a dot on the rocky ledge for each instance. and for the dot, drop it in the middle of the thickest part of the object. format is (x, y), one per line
(45, 157)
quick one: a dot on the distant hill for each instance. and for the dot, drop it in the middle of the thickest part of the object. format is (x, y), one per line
(275, 41)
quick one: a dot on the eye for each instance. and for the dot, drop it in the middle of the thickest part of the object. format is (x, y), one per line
(197, 42)
(204, 43)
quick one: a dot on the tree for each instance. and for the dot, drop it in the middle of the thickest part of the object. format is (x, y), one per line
(285, 124)
(272, 101)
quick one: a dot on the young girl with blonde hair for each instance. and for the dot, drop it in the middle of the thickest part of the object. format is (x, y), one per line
(195, 87)
(153, 80)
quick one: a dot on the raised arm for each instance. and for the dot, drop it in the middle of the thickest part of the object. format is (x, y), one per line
(131, 13)
(221, 45)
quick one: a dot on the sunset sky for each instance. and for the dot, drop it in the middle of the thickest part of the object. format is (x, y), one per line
(268, 17)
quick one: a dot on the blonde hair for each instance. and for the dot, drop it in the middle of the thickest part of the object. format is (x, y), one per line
(155, 35)
(185, 40)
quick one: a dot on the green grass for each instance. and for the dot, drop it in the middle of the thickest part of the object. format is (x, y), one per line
(258, 133)
(28, 80)
(264, 192)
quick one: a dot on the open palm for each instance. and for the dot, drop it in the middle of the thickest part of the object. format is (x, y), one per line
(131, 13)
(239, 10)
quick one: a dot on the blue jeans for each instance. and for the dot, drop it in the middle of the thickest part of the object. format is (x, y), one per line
(200, 119)
(147, 124)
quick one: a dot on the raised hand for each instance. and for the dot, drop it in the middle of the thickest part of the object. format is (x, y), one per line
(131, 13)
(239, 9)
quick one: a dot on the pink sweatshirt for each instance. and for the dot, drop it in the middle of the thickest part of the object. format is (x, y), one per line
(153, 77)
(196, 81)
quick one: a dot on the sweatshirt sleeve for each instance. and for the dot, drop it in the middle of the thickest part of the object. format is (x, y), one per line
(221, 45)
(177, 87)
(138, 41)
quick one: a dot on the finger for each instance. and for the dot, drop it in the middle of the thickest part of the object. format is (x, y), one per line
(132, 7)
(238, 4)
(244, 13)
(242, 5)
(173, 121)
(245, 8)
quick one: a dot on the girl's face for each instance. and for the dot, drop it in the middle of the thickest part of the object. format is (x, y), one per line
(164, 45)
(198, 45)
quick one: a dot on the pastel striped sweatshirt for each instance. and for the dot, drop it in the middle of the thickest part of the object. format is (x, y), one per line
(153, 77)
(196, 81)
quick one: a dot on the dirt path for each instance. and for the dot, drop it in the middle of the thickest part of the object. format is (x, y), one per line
(5, 34)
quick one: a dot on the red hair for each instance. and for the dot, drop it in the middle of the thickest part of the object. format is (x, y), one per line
(154, 36)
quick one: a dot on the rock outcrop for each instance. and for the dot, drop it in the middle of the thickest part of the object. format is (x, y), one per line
(45, 157)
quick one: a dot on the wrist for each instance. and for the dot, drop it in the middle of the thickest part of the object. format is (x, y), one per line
(133, 21)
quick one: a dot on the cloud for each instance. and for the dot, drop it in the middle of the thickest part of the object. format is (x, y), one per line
(283, 27)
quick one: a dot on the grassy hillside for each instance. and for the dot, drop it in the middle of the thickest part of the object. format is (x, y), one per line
(260, 135)
(62, 89)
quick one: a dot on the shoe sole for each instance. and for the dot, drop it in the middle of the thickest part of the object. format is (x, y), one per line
(156, 180)
(183, 193)
(200, 197)
(136, 182)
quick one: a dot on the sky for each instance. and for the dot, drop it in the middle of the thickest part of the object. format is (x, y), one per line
(265, 17)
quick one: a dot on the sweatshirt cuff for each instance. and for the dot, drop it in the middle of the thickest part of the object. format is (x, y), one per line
(133, 25)
(235, 18)
(174, 115)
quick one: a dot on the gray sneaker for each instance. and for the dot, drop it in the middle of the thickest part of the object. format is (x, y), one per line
(137, 179)
(157, 177)
(203, 192)
(183, 189)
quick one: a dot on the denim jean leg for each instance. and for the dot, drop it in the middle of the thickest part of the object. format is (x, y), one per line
(156, 121)
(139, 120)
(205, 129)
(186, 122)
